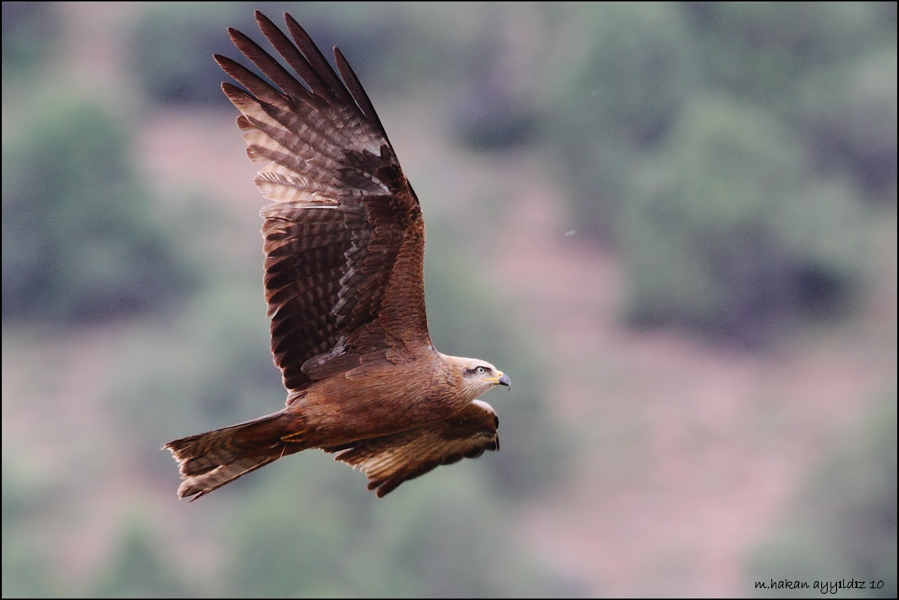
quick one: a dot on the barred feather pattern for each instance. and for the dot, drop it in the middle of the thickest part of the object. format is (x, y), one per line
(207, 461)
(344, 238)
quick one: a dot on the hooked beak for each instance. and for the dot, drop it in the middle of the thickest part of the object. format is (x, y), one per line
(504, 380)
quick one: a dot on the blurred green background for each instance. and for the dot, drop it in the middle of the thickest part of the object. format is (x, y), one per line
(673, 225)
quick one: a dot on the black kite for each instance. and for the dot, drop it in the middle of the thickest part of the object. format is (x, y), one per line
(344, 282)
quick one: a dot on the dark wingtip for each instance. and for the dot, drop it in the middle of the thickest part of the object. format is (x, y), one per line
(222, 61)
(262, 21)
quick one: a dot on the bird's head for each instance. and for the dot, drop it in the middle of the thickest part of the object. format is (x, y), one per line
(478, 376)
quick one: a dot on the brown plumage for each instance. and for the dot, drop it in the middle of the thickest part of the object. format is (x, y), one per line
(344, 282)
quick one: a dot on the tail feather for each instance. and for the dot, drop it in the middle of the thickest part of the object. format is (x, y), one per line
(207, 461)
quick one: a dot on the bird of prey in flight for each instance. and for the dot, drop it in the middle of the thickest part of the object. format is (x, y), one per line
(344, 254)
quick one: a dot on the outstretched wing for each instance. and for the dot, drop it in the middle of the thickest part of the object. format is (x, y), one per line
(390, 460)
(344, 239)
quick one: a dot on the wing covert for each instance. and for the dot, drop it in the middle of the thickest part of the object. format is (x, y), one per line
(390, 460)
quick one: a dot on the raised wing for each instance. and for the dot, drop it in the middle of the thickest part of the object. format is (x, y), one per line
(390, 460)
(344, 239)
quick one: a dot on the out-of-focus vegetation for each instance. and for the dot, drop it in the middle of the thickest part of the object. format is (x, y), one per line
(173, 50)
(79, 239)
(845, 519)
(728, 234)
(732, 153)
(736, 156)
(29, 32)
(384, 40)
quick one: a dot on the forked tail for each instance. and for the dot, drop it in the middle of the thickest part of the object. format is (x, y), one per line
(208, 461)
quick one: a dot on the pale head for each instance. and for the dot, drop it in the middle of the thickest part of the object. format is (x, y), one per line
(477, 375)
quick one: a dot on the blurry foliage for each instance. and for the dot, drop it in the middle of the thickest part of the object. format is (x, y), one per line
(487, 109)
(844, 524)
(726, 150)
(493, 120)
(184, 36)
(141, 567)
(173, 47)
(850, 119)
(26, 564)
(207, 367)
(725, 233)
(30, 37)
(315, 532)
(621, 94)
(828, 69)
(762, 52)
(79, 239)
